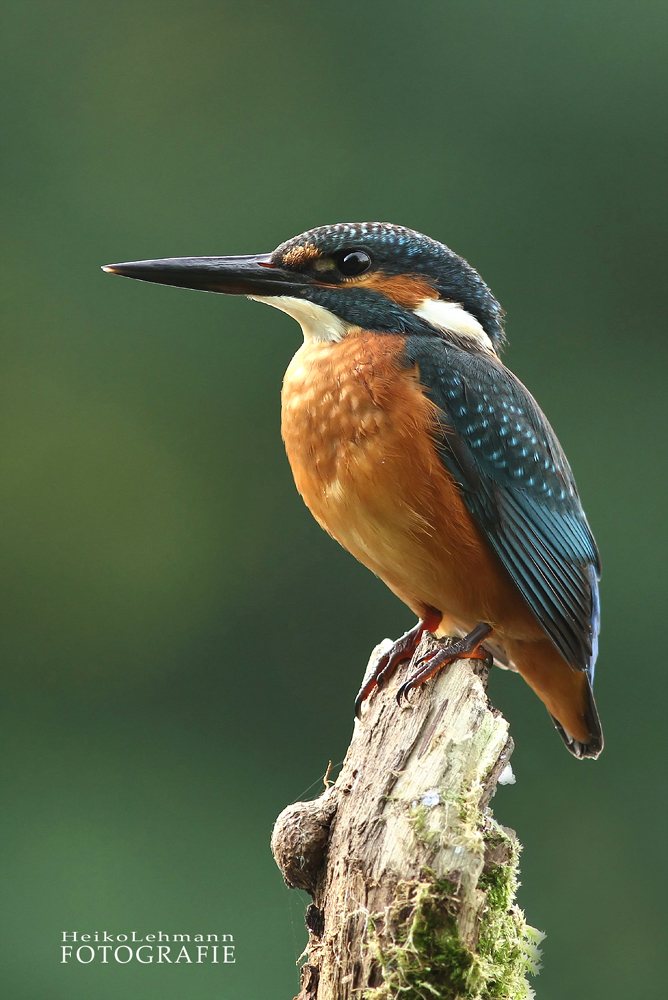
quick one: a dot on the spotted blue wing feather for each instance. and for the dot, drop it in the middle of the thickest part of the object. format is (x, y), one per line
(516, 482)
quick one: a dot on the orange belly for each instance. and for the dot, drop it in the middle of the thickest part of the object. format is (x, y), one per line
(358, 432)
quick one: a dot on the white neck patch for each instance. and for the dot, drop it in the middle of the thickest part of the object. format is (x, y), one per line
(453, 318)
(318, 324)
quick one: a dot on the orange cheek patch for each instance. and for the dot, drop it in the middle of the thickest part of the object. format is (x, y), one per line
(407, 290)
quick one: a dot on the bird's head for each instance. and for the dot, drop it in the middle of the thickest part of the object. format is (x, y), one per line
(334, 279)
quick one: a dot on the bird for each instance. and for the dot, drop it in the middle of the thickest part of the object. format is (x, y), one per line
(425, 457)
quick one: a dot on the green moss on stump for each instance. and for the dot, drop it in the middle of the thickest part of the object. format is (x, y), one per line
(427, 958)
(507, 945)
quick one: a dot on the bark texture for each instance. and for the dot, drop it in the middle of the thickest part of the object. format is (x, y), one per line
(412, 879)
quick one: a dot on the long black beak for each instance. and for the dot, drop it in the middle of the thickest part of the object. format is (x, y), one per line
(250, 275)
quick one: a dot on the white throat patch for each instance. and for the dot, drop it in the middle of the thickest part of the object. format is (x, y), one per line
(317, 323)
(453, 318)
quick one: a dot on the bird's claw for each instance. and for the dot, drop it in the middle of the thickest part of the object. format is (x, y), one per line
(403, 692)
(401, 650)
(427, 666)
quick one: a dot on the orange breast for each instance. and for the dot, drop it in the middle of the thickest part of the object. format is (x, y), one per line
(359, 434)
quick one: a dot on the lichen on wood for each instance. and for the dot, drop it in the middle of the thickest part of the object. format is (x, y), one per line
(413, 881)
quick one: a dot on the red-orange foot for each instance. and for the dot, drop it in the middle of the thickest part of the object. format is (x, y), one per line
(401, 650)
(470, 647)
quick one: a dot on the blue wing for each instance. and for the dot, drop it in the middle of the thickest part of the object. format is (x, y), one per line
(516, 482)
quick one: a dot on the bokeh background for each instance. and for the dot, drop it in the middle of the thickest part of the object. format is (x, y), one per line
(181, 644)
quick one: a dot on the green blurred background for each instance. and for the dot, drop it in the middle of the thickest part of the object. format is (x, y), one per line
(181, 643)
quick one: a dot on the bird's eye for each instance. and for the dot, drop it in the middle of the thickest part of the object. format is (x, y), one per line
(353, 262)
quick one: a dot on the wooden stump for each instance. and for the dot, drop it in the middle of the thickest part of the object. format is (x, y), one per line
(413, 881)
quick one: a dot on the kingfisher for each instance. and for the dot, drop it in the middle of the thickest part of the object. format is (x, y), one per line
(416, 448)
